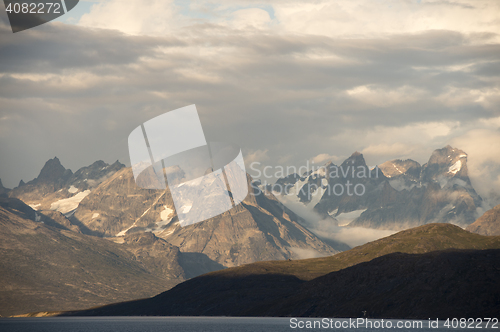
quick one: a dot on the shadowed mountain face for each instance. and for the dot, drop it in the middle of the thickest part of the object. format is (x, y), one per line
(376, 277)
(398, 194)
(488, 223)
(48, 265)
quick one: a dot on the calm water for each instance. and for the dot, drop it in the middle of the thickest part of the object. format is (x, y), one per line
(180, 324)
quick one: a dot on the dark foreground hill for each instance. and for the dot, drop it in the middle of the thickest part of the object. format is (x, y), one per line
(420, 283)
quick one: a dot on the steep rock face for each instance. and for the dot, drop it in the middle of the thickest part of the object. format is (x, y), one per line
(166, 260)
(351, 186)
(117, 207)
(252, 231)
(397, 195)
(488, 223)
(260, 228)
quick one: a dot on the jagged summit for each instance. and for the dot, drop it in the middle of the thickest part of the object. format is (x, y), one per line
(57, 188)
(53, 171)
(3, 190)
(355, 159)
(446, 163)
(398, 167)
(397, 195)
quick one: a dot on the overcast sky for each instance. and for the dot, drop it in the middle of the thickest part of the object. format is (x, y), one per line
(289, 81)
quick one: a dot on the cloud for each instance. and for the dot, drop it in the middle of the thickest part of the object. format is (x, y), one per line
(258, 156)
(383, 97)
(326, 228)
(344, 18)
(361, 18)
(323, 158)
(296, 93)
(483, 161)
(387, 149)
(250, 18)
(302, 253)
(133, 17)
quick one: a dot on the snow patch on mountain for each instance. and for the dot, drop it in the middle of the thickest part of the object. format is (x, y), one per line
(70, 204)
(34, 206)
(166, 214)
(321, 171)
(316, 196)
(345, 218)
(73, 189)
(455, 167)
(400, 184)
(95, 215)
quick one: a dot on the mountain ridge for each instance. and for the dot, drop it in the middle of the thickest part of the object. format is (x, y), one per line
(395, 195)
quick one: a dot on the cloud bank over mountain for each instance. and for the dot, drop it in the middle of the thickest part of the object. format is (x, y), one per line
(287, 81)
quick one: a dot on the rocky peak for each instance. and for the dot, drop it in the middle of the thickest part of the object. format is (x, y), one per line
(53, 171)
(116, 166)
(356, 159)
(94, 172)
(446, 156)
(397, 167)
(444, 164)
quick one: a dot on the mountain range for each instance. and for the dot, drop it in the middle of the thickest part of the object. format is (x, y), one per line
(395, 195)
(104, 201)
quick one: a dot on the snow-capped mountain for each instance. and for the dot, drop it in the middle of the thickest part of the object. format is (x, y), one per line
(397, 194)
(104, 200)
(59, 189)
(258, 229)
